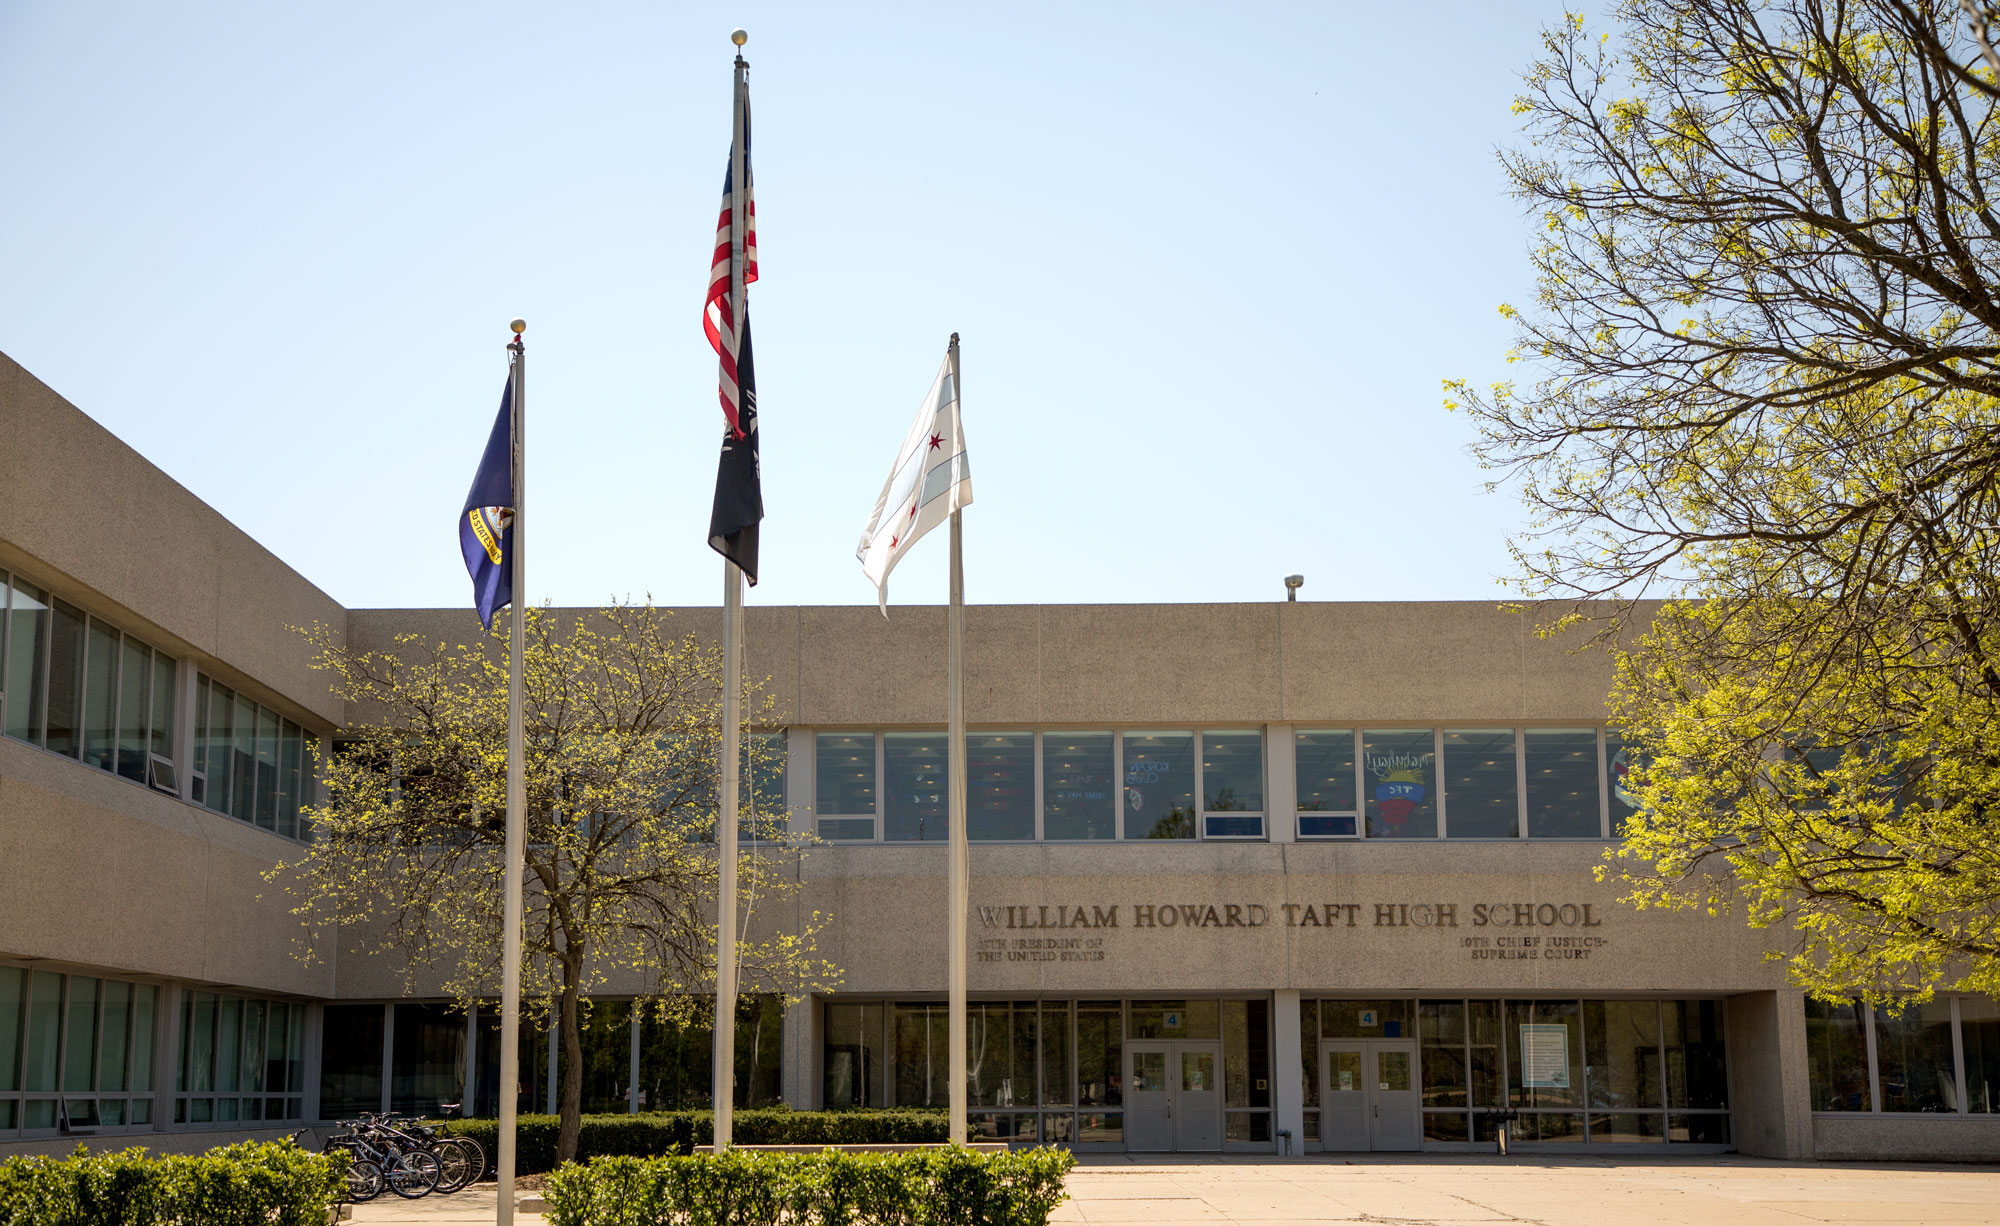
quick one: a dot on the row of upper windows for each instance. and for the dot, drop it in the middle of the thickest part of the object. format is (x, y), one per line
(72, 683)
(1405, 783)
(78, 686)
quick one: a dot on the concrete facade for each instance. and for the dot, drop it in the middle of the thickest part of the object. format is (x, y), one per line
(115, 880)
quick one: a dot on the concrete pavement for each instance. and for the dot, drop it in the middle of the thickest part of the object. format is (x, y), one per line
(1460, 1190)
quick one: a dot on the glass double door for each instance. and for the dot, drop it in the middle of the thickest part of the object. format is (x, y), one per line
(1369, 1098)
(1173, 1095)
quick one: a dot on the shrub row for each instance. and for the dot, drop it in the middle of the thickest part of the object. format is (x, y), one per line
(250, 1184)
(939, 1187)
(678, 1132)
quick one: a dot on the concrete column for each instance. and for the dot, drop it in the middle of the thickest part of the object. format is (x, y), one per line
(1281, 788)
(1288, 1084)
(312, 1053)
(1769, 1090)
(799, 1080)
(799, 779)
(166, 1053)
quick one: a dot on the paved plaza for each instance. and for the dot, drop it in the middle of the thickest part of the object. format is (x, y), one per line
(1459, 1191)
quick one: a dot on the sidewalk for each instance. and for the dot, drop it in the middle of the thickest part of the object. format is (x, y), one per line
(1457, 1191)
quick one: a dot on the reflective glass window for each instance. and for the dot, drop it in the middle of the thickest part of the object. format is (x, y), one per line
(1618, 763)
(1481, 796)
(1978, 1021)
(1056, 1087)
(759, 1049)
(134, 689)
(1915, 1070)
(676, 1061)
(250, 1053)
(350, 1079)
(1399, 784)
(1545, 1054)
(291, 756)
(1000, 786)
(115, 1049)
(1000, 1053)
(1323, 764)
(1159, 785)
(1174, 1019)
(1309, 1050)
(1232, 772)
(1562, 782)
(1079, 793)
(267, 768)
(1622, 1063)
(851, 1061)
(100, 697)
(844, 773)
(243, 761)
(1100, 1056)
(13, 1002)
(65, 680)
(27, 649)
(1482, 1032)
(606, 1038)
(1441, 1023)
(1246, 1053)
(428, 1058)
(228, 1039)
(922, 1055)
(161, 721)
(44, 1022)
(216, 740)
(764, 756)
(914, 786)
(80, 1037)
(1696, 1072)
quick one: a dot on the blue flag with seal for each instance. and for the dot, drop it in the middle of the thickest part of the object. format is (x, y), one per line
(486, 525)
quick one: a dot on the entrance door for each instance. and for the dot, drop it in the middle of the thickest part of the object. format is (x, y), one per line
(1149, 1097)
(1173, 1096)
(1368, 1096)
(1197, 1096)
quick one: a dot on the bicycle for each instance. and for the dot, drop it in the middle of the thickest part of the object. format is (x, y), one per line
(365, 1179)
(461, 1159)
(409, 1172)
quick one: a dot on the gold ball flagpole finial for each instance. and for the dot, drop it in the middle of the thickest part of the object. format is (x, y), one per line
(739, 36)
(518, 324)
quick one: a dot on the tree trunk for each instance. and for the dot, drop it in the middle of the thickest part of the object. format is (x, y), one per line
(572, 1064)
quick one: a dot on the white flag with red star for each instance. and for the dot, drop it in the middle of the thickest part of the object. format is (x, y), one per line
(928, 481)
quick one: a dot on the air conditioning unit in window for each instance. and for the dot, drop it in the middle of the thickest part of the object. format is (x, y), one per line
(160, 773)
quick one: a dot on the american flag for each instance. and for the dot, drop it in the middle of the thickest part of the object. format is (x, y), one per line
(717, 318)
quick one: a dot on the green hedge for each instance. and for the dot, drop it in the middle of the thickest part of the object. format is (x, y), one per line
(678, 1132)
(251, 1184)
(939, 1187)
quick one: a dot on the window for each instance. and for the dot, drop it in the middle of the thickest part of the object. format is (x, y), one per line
(75, 1048)
(1912, 1065)
(249, 762)
(1079, 799)
(1622, 800)
(763, 783)
(1000, 786)
(1324, 765)
(1232, 785)
(1482, 798)
(1400, 783)
(914, 787)
(77, 685)
(1159, 785)
(844, 773)
(1562, 783)
(242, 1058)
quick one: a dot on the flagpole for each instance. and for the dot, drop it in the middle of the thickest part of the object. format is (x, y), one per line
(517, 792)
(732, 685)
(957, 884)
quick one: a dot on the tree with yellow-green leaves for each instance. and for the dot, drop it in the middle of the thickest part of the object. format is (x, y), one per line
(1766, 389)
(623, 722)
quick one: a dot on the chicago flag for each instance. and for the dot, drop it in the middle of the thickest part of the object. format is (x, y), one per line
(929, 480)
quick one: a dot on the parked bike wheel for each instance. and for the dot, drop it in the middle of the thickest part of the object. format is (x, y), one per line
(460, 1162)
(413, 1174)
(364, 1180)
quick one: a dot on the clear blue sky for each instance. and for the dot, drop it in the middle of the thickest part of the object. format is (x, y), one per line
(1210, 263)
